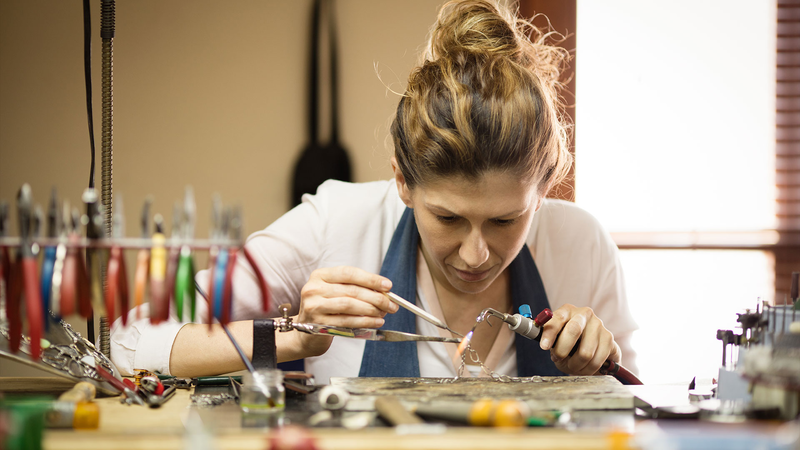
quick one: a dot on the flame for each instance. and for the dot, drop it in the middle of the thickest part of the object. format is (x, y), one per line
(462, 347)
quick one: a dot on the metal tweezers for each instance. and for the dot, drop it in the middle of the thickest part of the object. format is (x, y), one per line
(368, 334)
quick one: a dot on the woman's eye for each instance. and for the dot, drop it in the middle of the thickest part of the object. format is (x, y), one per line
(504, 222)
(446, 219)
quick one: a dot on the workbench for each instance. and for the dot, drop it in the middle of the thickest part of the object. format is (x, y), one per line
(136, 427)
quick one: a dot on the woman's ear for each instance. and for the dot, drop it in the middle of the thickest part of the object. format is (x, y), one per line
(402, 187)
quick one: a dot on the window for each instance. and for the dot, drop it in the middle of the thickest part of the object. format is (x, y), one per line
(675, 148)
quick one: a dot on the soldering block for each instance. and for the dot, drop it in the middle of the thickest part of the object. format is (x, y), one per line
(540, 393)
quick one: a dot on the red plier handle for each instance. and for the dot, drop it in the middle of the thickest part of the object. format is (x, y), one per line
(13, 305)
(116, 285)
(227, 289)
(262, 282)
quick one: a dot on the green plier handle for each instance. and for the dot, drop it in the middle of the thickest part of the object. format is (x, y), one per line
(184, 283)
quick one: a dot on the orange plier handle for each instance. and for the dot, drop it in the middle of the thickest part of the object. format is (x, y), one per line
(140, 279)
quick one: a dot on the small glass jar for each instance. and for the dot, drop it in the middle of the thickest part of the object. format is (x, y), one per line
(262, 391)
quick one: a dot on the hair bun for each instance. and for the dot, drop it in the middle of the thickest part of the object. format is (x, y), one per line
(486, 28)
(476, 26)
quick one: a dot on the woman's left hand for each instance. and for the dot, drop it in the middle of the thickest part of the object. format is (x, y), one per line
(596, 342)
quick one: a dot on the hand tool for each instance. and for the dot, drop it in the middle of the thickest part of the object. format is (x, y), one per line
(531, 328)
(390, 408)
(5, 261)
(83, 391)
(49, 261)
(213, 253)
(184, 278)
(83, 283)
(227, 292)
(129, 394)
(116, 274)
(26, 262)
(220, 272)
(95, 229)
(425, 315)
(159, 298)
(72, 285)
(485, 412)
(173, 254)
(58, 264)
(369, 334)
(14, 305)
(262, 282)
(142, 262)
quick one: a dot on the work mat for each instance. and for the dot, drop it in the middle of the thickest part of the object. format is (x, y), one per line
(540, 393)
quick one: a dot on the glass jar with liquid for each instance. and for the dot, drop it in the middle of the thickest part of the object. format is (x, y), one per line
(262, 392)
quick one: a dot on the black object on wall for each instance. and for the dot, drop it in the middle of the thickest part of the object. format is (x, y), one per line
(320, 162)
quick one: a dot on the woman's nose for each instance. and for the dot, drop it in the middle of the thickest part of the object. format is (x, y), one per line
(474, 251)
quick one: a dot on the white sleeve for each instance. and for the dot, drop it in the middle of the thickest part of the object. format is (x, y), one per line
(286, 253)
(610, 301)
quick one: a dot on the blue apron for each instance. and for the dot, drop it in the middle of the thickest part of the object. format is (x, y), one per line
(399, 359)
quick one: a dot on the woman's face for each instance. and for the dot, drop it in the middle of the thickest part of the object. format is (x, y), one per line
(471, 230)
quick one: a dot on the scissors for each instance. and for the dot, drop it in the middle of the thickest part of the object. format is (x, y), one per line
(369, 334)
(27, 271)
(184, 276)
(116, 274)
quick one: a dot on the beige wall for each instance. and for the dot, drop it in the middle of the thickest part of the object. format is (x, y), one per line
(209, 93)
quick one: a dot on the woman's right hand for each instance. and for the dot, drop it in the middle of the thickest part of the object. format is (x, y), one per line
(345, 297)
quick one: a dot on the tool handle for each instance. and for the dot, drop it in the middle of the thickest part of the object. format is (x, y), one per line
(390, 408)
(262, 282)
(33, 303)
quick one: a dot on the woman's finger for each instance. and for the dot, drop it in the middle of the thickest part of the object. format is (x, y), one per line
(342, 305)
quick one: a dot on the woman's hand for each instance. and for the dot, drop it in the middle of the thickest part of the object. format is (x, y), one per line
(344, 297)
(596, 342)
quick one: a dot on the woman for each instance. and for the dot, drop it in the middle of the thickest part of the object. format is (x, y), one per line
(464, 225)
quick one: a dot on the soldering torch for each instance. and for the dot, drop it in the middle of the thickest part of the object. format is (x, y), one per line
(531, 328)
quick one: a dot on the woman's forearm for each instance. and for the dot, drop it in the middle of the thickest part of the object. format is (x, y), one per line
(200, 351)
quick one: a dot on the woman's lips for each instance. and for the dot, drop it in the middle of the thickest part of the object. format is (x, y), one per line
(472, 277)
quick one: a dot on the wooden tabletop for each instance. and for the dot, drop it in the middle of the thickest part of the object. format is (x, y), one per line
(140, 428)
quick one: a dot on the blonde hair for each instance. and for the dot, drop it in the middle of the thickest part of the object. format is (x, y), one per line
(485, 97)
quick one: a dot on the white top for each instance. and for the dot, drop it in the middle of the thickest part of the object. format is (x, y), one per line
(352, 224)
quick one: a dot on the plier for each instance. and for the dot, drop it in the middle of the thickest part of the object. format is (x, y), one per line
(235, 227)
(5, 263)
(173, 255)
(116, 274)
(221, 280)
(94, 231)
(27, 271)
(184, 277)
(213, 254)
(142, 263)
(159, 297)
(49, 261)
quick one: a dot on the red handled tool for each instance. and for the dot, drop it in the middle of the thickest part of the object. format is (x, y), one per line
(28, 270)
(142, 263)
(116, 275)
